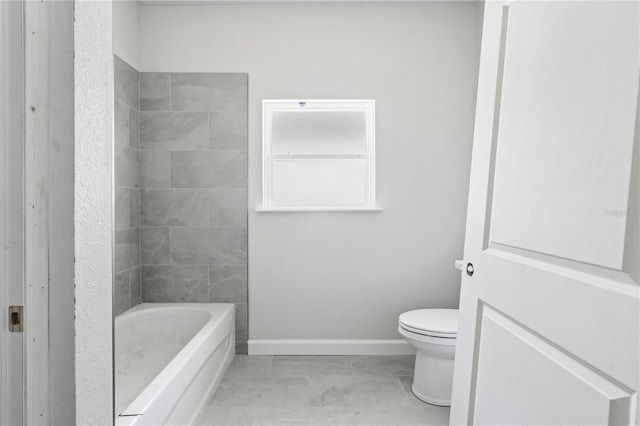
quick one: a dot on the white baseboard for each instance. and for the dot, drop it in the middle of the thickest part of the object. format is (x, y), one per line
(330, 347)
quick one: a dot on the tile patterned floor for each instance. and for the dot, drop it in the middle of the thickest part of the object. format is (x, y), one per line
(321, 391)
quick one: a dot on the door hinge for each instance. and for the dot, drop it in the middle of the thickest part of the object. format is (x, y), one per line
(16, 319)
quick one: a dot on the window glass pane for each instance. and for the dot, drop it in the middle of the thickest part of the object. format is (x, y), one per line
(319, 182)
(318, 132)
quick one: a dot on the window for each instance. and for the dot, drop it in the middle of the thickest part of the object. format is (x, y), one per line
(318, 155)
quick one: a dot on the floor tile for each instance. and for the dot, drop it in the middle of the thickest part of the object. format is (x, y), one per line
(250, 416)
(279, 422)
(295, 366)
(262, 392)
(405, 415)
(249, 365)
(334, 416)
(282, 416)
(407, 382)
(303, 391)
(397, 365)
(354, 390)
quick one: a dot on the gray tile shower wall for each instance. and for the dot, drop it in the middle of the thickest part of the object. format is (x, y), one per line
(193, 196)
(127, 290)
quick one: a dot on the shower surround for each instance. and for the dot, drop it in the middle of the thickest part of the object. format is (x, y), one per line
(126, 133)
(192, 164)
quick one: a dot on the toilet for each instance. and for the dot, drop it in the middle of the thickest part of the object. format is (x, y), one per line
(433, 333)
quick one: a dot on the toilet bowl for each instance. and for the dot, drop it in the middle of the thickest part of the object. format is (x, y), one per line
(433, 333)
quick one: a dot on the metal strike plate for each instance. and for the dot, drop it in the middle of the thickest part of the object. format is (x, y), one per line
(16, 319)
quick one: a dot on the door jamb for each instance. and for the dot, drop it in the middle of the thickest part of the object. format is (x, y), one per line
(12, 209)
(36, 215)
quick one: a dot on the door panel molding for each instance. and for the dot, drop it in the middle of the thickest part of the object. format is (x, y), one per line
(504, 27)
(528, 360)
(473, 388)
(598, 276)
(555, 94)
(592, 322)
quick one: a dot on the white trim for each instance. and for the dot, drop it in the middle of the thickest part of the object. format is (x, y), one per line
(330, 347)
(317, 209)
(316, 101)
(249, 2)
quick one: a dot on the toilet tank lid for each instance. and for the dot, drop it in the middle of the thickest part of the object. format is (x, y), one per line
(443, 321)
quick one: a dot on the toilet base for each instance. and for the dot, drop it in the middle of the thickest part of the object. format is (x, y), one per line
(433, 379)
(438, 402)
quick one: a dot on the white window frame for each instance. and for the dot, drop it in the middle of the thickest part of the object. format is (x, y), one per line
(271, 105)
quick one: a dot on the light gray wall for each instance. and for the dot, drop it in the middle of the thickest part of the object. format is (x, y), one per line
(193, 171)
(127, 186)
(347, 275)
(125, 31)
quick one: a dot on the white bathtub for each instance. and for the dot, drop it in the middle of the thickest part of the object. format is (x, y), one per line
(169, 360)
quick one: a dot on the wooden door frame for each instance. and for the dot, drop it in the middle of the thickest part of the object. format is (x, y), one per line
(36, 192)
(11, 234)
(58, 37)
(34, 285)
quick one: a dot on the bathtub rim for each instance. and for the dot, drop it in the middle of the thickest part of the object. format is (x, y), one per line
(218, 312)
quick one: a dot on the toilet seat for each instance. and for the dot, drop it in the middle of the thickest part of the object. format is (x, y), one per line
(441, 323)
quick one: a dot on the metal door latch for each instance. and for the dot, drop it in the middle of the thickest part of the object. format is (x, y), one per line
(469, 269)
(16, 319)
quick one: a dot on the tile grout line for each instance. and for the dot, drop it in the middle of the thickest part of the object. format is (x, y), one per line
(139, 189)
(269, 367)
(129, 287)
(208, 216)
(404, 392)
(209, 284)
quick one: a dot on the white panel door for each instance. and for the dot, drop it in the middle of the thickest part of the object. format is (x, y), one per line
(550, 301)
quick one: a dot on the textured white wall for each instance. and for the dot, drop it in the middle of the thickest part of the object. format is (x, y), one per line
(347, 275)
(125, 31)
(93, 201)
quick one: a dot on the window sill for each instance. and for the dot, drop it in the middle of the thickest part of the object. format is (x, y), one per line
(319, 209)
